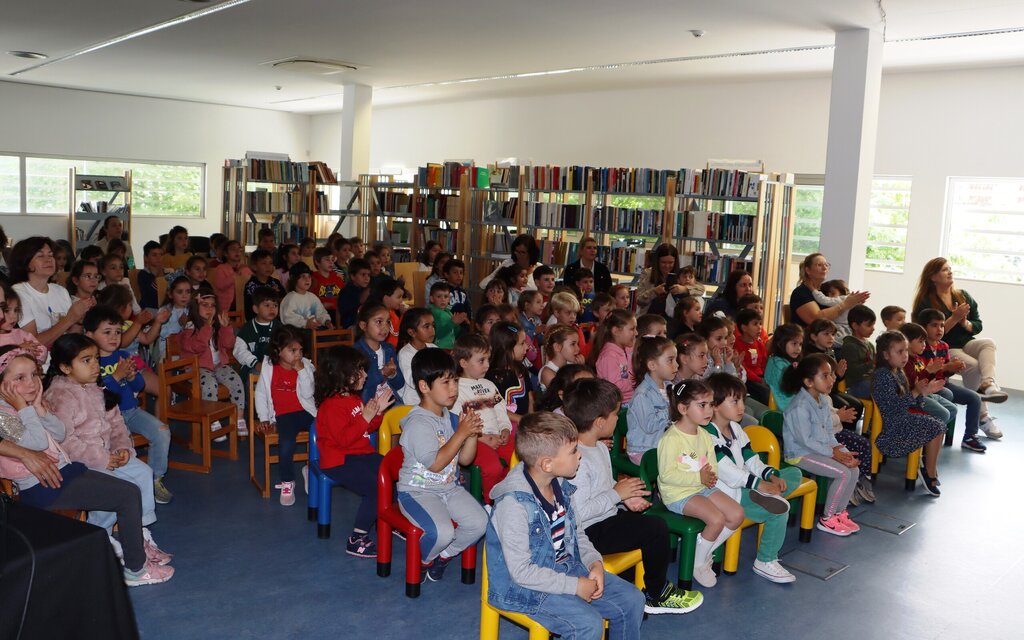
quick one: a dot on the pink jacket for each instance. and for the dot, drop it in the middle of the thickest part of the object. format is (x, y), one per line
(13, 428)
(616, 365)
(224, 284)
(197, 343)
(93, 433)
(19, 337)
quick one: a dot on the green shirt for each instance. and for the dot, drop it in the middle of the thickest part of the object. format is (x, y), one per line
(444, 328)
(860, 359)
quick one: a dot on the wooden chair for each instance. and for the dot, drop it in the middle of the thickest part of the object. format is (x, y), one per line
(199, 413)
(133, 280)
(404, 271)
(327, 338)
(419, 284)
(269, 439)
(238, 315)
(7, 488)
(174, 353)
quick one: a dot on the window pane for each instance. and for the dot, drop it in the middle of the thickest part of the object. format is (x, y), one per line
(807, 221)
(10, 185)
(985, 234)
(888, 220)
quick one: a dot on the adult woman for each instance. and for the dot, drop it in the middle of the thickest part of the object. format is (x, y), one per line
(936, 290)
(176, 252)
(588, 260)
(802, 306)
(738, 284)
(525, 252)
(653, 286)
(114, 228)
(46, 309)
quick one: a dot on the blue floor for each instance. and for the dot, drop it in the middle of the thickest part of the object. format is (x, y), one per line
(249, 568)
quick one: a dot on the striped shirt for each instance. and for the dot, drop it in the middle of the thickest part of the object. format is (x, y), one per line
(556, 514)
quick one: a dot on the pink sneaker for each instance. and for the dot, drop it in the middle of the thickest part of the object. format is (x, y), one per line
(155, 555)
(834, 525)
(150, 573)
(287, 493)
(844, 515)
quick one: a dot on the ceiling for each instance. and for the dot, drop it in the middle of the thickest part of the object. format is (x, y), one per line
(405, 50)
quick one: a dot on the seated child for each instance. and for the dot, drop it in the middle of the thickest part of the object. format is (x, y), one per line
(485, 318)
(153, 268)
(612, 354)
(620, 294)
(445, 322)
(562, 347)
(686, 316)
(820, 337)
(859, 351)
(651, 325)
(262, 263)
(583, 284)
(552, 399)
(382, 367)
(529, 307)
(553, 578)
(787, 346)
(357, 289)
(755, 352)
(655, 364)
(10, 334)
(454, 274)
(327, 284)
(832, 293)
(254, 337)
(300, 307)
(893, 317)
(415, 332)
(564, 308)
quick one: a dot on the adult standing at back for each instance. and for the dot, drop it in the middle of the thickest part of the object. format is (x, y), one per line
(803, 308)
(526, 253)
(46, 308)
(588, 260)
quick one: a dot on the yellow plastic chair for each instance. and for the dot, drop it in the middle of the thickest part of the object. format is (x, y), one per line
(391, 427)
(772, 405)
(913, 458)
(490, 616)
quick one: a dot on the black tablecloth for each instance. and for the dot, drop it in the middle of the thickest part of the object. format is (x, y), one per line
(77, 590)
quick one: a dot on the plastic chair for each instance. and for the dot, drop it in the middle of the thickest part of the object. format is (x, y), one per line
(620, 461)
(391, 427)
(390, 517)
(270, 439)
(685, 528)
(318, 498)
(913, 459)
(199, 413)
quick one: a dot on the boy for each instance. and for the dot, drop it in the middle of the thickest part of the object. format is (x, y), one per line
(859, 351)
(254, 337)
(564, 309)
(893, 317)
(454, 274)
(688, 278)
(652, 325)
(477, 393)
(445, 322)
(265, 240)
(262, 264)
(759, 488)
(749, 327)
(610, 512)
(342, 249)
(119, 374)
(358, 247)
(832, 293)
(934, 323)
(583, 284)
(428, 490)
(195, 271)
(539, 560)
(936, 403)
(376, 267)
(327, 284)
(153, 263)
(355, 292)
(602, 307)
(544, 279)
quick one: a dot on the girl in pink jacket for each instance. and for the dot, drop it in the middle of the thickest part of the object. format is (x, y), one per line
(612, 353)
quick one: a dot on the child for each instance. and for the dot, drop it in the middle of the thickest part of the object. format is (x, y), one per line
(610, 512)
(486, 317)
(531, 306)
(195, 269)
(508, 313)
(83, 280)
(651, 325)
(224, 276)
(506, 371)
(858, 351)
(906, 427)
(687, 278)
(820, 338)
(935, 404)
(786, 350)
(721, 357)
(284, 402)
(454, 275)
(496, 292)
(376, 267)
(262, 263)
(176, 300)
(307, 247)
(436, 272)
(355, 292)
(253, 339)
(583, 283)
(429, 493)
(342, 249)
(692, 350)
(893, 317)
(755, 352)
(153, 268)
(655, 364)
(391, 293)
(495, 444)
(612, 354)
(832, 293)
(753, 301)
(387, 265)
(539, 559)
(809, 442)
(517, 278)
(552, 400)
(760, 489)
(382, 369)
(10, 334)
(358, 247)
(445, 322)
(544, 280)
(416, 332)
(266, 240)
(685, 317)
(688, 473)
(620, 294)
(111, 268)
(211, 339)
(142, 330)
(561, 348)
(602, 307)
(327, 284)
(120, 375)
(46, 478)
(300, 307)
(287, 256)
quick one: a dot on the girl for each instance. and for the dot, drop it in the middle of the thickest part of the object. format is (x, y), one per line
(620, 294)
(195, 269)
(301, 308)
(686, 317)
(809, 442)
(436, 272)
(83, 280)
(390, 293)
(284, 401)
(485, 318)
(113, 229)
(721, 357)
(552, 399)
(612, 354)
(47, 479)
(561, 348)
(693, 356)
(386, 264)
(111, 269)
(905, 428)
(688, 472)
(654, 362)
(287, 256)
(61, 257)
(416, 332)
(344, 427)
(820, 337)
(530, 307)
(382, 369)
(212, 339)
(10, 334)
(496, 292)
(176, 252)
(516, 278)
(226, 272)
(787, 345)
(430, 251)
(176, 300)
(508, 348)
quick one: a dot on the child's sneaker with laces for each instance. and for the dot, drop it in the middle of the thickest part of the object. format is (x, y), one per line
(844, 515)
(865, 490)
(436, 569)
(155, 554)
(971, 443)
(150, 573)
(243, 428)
(361, 546)
(161, 494)
(672, 600)
(773, 571)
(991, 429)
(214, 428)
(705, 576)
(287, 493)
(833, 525)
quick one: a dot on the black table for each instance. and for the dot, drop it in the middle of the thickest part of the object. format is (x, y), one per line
(77, 590)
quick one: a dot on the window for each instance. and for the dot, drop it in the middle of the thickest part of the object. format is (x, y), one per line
(810, 193)
(984, 238)
(10, 184)
(887, 224)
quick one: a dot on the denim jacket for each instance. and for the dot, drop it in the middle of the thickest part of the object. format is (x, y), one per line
(647, 417)
(373, 374)
(519, 534)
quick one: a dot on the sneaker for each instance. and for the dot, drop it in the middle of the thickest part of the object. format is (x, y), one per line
(154, 554)
(865, 490)
(773, 504)
(992, 393)
(398, 534)
(160, 493)
(436, 569)
(988, 425)
(931, 485)
(361, 546)
(243, 429)
(856, 499)
(305, 478)
(705, 576)
(215, 427)
(672, 600)
(424, 570)
(773, 571)
(833, 525)
(287, 493)
(150, 573)
(971, 443)
(844, 515)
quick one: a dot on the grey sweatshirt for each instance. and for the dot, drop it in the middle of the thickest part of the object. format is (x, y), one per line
(595, 496)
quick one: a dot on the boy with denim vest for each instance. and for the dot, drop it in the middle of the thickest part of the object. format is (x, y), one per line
(539, 560)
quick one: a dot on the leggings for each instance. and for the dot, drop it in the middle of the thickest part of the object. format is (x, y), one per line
(844, 480)
(358, 474)
(225, 375)
(288, 427)
(628, 530)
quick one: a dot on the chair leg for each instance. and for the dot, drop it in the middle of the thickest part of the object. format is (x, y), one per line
(323, 509)
(206, 444)
(469, 565)
(233, 436)
(950, 429)
(413, 565)
(913, 462)
(732, 553)
(489, 619)
(687, 555)
(312, 498)
(384, 544)
(266, 464)
(807, 506)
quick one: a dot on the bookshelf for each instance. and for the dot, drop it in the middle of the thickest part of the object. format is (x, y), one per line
(92, 199)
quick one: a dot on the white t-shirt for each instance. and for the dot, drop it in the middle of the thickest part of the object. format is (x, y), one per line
(409, 394)
(45, 309)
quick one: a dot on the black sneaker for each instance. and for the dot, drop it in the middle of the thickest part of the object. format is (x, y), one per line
(773, 504)
(971, 443)
(931, 484)
(436, 569)
(672, 600)
(361, 546)
(424, 570)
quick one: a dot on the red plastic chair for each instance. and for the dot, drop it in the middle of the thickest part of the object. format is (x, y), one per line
(390, 517)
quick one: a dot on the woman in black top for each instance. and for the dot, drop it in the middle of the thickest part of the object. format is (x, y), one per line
(803, 309)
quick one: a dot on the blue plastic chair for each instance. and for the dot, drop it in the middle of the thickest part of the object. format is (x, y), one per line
(318, 499)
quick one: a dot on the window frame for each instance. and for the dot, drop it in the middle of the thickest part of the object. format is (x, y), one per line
(947, 224)
(906, 228)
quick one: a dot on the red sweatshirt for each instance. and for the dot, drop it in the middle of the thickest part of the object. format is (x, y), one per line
(755, 356)
(342, 431)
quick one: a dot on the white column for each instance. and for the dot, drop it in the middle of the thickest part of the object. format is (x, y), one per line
(850, 159)
(355, 131)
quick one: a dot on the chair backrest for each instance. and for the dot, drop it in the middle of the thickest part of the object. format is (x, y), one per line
(314, 452)
(391, 426)
(619, 435)
(171, 372)
(327, 338)
(649, 473)
(387, 476)
(133, 280)
(254, 378)
(237, 315)
(161, 289)
(772, 420)
(763, 441)
(419, 286)
(405, 270)
(173, 350)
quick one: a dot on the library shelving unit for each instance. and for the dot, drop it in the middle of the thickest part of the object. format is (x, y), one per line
(269, 192)
(91, 200)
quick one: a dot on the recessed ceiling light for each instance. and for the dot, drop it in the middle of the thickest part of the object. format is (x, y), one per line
(31, 55)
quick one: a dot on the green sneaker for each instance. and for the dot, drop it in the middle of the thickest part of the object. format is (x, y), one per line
(672, 600)
(160, 492)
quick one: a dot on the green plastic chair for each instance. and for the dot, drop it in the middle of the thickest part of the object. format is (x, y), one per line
(685, 528)
(773, 420)
(476, 482)
(620, 461)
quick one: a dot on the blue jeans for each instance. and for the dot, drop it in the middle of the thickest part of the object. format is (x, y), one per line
(138, 473)
(288, 427)
(968, 398)
(940, 407)
(622, 604)
(359, 475)
(159, 436)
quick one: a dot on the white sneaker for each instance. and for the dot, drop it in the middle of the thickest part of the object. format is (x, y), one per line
(705, 576)
(214, 428)
(305, 477)
(287, 493)
(988, 425)
(992, 393)
(243, 429)
(773, 571)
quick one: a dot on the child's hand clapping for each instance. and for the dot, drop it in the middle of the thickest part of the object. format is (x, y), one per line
(631, 488)
(921, 386)
(935, 385)
(470, 424)
(223, 319)
(955, 366)
(374, 407)
(389, 370)
(841, 368)
(934, 365)
(846, 414)
(145, 317)
(504, 436)
(163, 315)
(708, 478)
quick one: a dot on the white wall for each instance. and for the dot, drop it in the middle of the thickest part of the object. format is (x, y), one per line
(55, 121)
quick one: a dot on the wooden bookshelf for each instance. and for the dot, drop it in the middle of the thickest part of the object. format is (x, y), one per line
(91, 200)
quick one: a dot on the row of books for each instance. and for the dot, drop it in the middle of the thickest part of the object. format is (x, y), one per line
(275, 201)
(275, 170)
(448, 238)
(647, 222)
(554, 214)
(449, 175)
(632, 180)
(394, 201)
(712, 269)
(324, 174)
(555, 178)
(723, 183)
(500, 211)
(321, 202)
(439, 207)
(713, 225)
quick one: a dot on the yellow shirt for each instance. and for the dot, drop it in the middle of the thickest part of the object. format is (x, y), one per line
(680, 458)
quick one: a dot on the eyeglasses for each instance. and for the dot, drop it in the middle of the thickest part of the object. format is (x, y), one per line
(89, 276)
